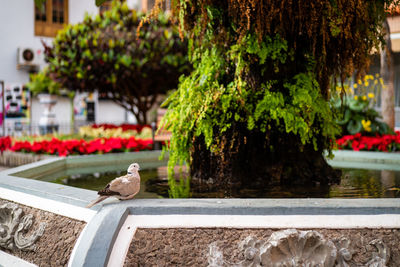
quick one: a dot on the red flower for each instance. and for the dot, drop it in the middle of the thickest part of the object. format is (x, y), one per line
(358, 142)
(5, 143)
(69, 147)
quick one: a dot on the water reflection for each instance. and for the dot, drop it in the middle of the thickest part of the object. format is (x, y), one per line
(388, 180)
(97, 180)
(355, 183)
(367, 183)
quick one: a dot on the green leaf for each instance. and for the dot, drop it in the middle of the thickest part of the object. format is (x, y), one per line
(354, 126)
(346, 118)
(357, 105)
(39, 4)
(126, 60)
(98, 2)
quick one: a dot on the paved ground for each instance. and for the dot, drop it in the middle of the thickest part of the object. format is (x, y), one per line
(2, 168)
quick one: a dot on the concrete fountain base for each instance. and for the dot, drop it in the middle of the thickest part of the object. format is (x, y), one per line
(54, 245)
(199, 246)
(187, 232)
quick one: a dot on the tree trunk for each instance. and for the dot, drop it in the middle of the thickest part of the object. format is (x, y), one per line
(142, 118)
(72, 115)
(387, 73)
(250, 162)
(140, 115)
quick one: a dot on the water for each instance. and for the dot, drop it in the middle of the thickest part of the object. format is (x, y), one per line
(355, 183)
(367, 184)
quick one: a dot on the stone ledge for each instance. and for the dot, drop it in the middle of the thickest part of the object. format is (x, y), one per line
(365, 160)
(9, 260)
(204, 246)
(13, 159)
(54, 246)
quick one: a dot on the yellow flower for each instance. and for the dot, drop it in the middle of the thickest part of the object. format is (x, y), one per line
(111, 43)
(366, 125)
(371, 95)
(377, 75)
(355, 86)
(359, 82)
(355, 97)
(381, 81)
(366, 83)
(364, 97)
(375, 82)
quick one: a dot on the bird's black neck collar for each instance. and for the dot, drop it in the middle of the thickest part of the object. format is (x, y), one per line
(129, 172)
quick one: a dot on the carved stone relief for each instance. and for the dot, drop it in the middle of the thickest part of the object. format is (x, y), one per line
(14, 225)
(293, 248)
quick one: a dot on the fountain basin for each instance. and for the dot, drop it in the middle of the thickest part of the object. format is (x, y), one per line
(111, 231)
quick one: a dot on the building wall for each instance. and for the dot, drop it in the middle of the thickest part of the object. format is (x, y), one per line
(17, 30)
(78, 8)
(108, 112)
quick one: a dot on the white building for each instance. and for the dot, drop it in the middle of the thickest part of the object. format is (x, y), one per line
(24, 26)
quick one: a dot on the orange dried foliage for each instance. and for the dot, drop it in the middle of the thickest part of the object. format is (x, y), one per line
(340, 35)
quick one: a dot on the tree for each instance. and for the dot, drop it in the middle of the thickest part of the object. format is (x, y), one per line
(387, 73)
(255, 110)
(109, 54)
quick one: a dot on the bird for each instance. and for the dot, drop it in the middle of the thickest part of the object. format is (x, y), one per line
(123, 188)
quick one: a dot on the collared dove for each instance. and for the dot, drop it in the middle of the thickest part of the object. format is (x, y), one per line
(124, 187)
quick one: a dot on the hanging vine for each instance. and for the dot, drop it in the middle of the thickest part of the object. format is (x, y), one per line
(267, 65)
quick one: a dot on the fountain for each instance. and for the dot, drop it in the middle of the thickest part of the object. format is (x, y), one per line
(213, 232)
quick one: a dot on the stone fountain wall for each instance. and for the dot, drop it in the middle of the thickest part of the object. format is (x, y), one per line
(264, 247)
(37, 236)
(188, 232)
(13, 159)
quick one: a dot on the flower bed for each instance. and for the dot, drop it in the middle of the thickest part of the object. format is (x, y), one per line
(111, 130)
(125, 127)
(357, 142)
(77, 147)
(93, 139)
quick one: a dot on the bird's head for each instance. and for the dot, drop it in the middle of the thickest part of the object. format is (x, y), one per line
(134, 167)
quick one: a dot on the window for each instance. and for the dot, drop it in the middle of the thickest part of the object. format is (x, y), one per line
(51, 17)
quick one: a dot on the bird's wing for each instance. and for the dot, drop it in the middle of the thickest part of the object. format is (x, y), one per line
(126, 185)
(113, 188)
(108, 192)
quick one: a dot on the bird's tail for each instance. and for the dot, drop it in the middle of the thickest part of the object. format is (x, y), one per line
(97, 200)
